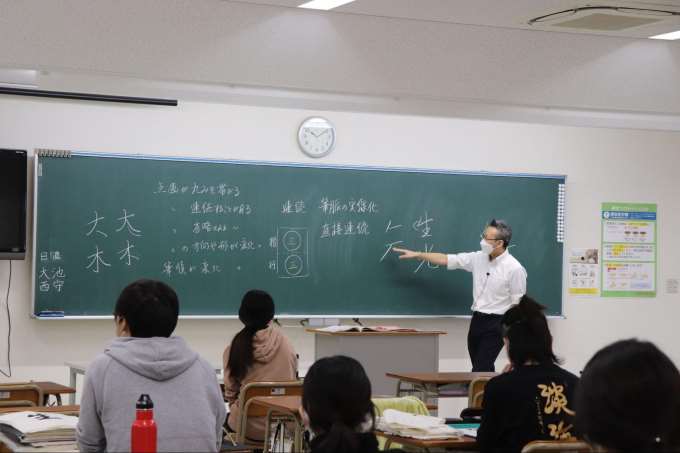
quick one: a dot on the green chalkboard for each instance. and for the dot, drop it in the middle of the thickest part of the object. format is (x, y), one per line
(315, 237)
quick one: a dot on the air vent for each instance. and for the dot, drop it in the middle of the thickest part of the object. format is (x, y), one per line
(606, 22)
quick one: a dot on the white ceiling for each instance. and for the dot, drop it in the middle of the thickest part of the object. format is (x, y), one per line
(443, 57)
(494, 13)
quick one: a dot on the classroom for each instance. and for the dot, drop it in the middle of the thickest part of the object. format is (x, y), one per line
(444, 88)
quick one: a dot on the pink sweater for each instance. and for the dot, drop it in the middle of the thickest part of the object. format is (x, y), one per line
(275, 360)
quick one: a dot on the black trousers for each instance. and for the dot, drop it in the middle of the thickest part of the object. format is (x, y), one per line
(485, 340)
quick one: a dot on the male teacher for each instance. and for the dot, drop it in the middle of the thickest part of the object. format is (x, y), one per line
(498, 282)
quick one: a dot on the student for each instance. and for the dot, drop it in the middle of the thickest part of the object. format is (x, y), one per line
(259, 352)
(188, 407)
(629, 399)
(337, 407)
(533, 399)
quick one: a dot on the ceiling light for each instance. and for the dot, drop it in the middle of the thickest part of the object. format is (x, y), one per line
(324, 4)
(668, 36)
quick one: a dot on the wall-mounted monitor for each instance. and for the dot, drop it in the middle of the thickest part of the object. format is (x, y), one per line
(13, 189)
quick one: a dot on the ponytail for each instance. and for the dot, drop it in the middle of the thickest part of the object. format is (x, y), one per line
(241, 353)
(255, 312)
(526, 328)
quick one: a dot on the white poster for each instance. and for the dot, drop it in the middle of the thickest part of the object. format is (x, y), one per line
(584, 272)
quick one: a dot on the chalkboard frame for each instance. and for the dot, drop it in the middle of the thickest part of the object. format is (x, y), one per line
(67, 154)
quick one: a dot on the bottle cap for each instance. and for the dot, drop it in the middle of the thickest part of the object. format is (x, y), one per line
(144, 402)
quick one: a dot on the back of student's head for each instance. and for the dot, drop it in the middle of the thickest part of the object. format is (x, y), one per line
(628, 399)
(337, 399)
(256, 311)
(149, 307)
(526, 330)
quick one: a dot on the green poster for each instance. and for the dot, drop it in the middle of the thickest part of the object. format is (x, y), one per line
(629, 245)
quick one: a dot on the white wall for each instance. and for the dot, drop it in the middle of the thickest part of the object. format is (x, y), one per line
(601, 164)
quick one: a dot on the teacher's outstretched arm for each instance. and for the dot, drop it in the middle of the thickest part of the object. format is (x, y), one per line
(439, 259)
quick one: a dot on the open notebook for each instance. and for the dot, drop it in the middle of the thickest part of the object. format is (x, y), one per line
(366, 329)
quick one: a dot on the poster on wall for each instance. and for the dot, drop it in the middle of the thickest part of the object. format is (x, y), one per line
(629, 247)
(584, 271)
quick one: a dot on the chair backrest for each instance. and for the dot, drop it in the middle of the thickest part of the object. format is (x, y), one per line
(555, 446)
(409, 404)
(20, 394)
(253, 389)
(476, 391)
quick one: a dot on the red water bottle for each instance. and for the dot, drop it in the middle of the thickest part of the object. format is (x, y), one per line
(143, 431)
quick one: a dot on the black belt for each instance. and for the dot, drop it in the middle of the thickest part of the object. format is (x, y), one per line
(486, 315)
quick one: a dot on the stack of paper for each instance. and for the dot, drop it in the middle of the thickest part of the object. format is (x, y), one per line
(39, 427)
(416, 426)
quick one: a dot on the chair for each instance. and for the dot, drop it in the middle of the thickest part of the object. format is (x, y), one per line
(253, 389)
(555, 446)
(473, 413)
(476, 391)
(20, 394)
(410, 404)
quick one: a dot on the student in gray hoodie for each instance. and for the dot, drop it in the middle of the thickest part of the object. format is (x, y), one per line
(188, 406)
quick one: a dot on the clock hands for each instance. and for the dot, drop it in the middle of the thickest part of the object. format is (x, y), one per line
(319, 134)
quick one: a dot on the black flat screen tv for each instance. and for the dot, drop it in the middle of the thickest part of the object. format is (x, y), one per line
(13, 189)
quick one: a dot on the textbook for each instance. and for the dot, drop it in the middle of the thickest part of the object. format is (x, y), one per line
(467, 429)
(29, 427)
(422, 427)
(334, 329)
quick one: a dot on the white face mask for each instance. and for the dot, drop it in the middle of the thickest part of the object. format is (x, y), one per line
(486, 247)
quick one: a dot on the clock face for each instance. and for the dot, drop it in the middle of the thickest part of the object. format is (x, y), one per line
(316, 137)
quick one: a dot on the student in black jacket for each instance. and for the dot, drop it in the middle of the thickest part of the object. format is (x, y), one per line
(533, 399)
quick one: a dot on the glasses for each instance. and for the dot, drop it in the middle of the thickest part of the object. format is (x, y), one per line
(488, 239)
(619, 9)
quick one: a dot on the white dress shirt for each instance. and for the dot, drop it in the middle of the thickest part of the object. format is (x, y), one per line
(496, 284)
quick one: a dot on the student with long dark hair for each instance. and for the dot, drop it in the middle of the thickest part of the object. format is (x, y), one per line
(629, 399)
(337, 406)
(259, 352)
(533, 400)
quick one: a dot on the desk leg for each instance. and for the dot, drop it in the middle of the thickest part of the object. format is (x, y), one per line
(72, 383)
(297, 440)
(431, 393)
(267, 425)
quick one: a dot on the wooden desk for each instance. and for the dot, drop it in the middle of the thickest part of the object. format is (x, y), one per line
(429, 384)
(52, 388)
(458, 443)
(380, 351)
(281, 407)
(68, 410)
(76, 368)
